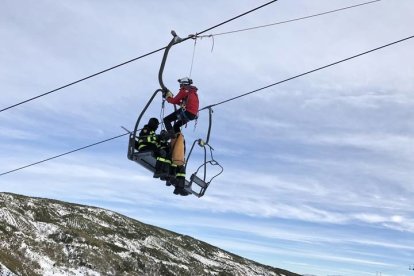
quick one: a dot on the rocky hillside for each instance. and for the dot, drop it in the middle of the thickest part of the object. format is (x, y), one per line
(49, 237)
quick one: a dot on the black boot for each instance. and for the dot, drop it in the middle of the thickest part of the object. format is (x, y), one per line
(177, 190)
(162, 168)
(180, 182)
(180, 191)
(167, 135)
(171, 176)
(158, 169)
(165, 171)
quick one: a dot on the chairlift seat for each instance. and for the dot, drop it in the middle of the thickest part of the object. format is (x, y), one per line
(147, 160)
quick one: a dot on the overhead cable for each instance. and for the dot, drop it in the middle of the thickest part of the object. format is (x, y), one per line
(308, 72)
(225, 101)
(134, 59)
(290, 20)
(66, 153)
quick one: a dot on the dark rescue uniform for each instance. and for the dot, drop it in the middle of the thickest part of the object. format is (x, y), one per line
(147, 140)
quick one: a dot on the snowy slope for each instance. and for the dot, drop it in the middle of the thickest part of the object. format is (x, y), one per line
(47, 237)
(4, 271)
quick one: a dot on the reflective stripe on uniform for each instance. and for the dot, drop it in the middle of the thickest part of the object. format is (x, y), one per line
(141, 146)
(161, 159)
(149, 139)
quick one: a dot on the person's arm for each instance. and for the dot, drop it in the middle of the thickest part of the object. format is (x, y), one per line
(177, 99)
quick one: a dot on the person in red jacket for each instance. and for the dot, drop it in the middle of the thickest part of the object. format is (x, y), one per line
(187, 98)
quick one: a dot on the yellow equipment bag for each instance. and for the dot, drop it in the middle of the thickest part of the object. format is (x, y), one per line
(178, 150)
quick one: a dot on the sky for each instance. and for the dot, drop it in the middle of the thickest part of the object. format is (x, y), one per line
(317, 170)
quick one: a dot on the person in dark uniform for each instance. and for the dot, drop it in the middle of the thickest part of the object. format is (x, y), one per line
(147, 138)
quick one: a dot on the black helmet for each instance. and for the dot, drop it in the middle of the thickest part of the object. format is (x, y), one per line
(153, 123)
(185, 81)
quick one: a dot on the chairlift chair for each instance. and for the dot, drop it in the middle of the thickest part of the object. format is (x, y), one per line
(195, 185)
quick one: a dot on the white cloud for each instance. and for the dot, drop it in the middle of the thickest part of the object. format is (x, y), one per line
(332, 149)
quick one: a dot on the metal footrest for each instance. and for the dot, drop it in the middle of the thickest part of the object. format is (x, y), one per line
(191, 188)
(195, 186)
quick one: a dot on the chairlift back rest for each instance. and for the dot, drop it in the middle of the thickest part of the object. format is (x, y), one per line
(131, 147)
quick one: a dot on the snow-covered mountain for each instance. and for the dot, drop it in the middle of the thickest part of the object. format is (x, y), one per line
(48, 237)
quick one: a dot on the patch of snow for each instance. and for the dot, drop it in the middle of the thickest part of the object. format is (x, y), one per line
(48, 268)
(8, 197)
(204, 260)
(23, 245)
(98, 221)
(222, 255)
(45, 229)
(4, 271)
(152, 241)
(59, 209)
(15, 219)
(7, 216)
(167, 263)
(45, 263)
(30, 214)
(157, 243)
(133, 245)
(64, 271)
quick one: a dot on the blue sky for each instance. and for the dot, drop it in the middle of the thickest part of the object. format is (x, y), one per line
(318, 170)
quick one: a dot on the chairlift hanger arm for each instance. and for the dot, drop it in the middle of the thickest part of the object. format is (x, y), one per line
(176, 39)
(210, 120)
(200, 141)
(143, 111)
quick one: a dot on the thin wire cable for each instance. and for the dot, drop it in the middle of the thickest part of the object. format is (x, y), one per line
(308, 72)
(134, 59)
(236, 17)
(192, 59)
(63, 154)
(291, 20)
(222, 102)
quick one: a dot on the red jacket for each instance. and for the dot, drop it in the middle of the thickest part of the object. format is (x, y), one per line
(187, 97)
